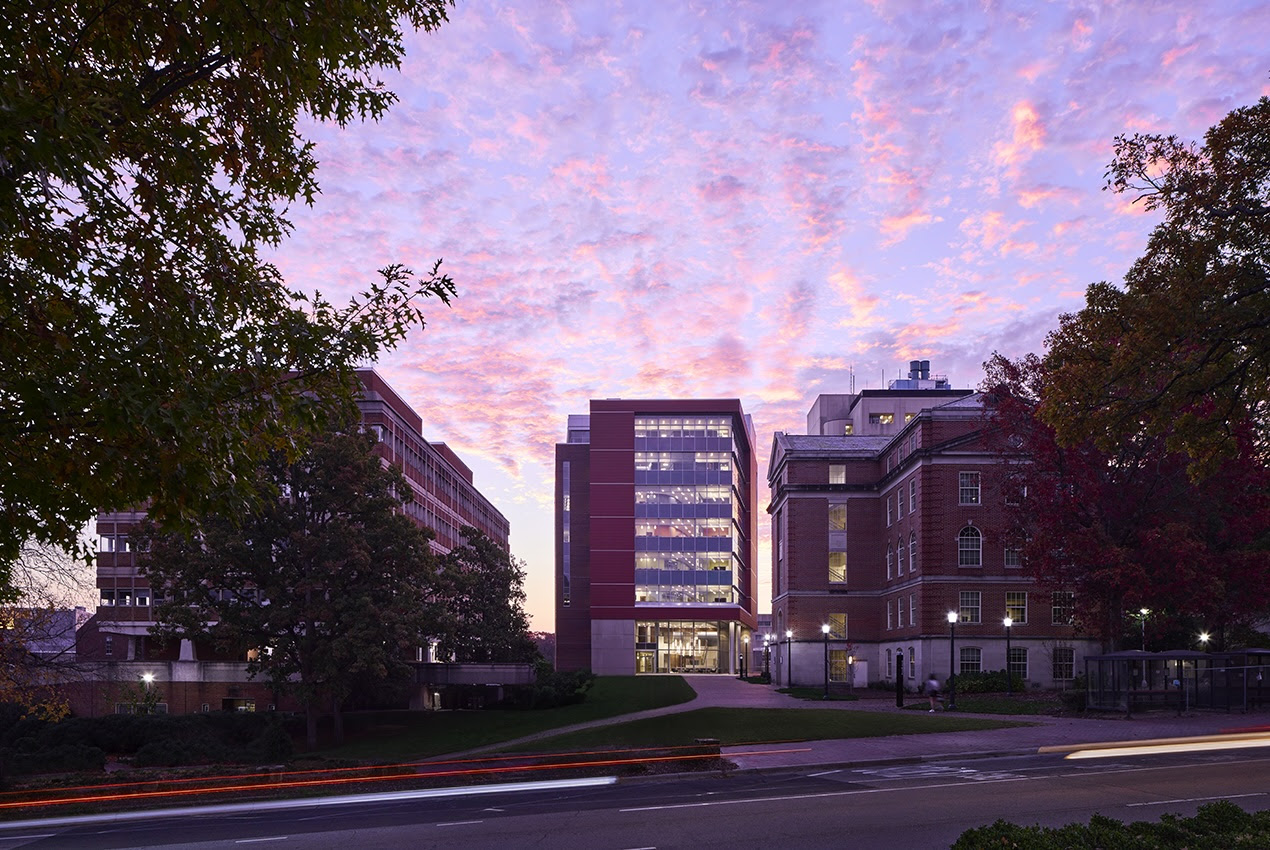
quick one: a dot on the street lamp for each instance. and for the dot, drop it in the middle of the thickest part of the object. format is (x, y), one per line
(1009, 680)
(789, 658)
(825, 630)
(1203, 640)
(1144, 612)
(745, 654)
(952, 654)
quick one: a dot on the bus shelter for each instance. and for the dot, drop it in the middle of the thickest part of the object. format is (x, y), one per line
(1179, 679)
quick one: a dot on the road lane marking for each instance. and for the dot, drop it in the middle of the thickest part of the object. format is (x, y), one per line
(460, 822)
(825, 773)
(1195, 800)
(258, 840)
(824, 796)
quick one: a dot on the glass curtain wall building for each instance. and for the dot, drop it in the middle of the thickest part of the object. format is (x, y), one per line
(690, 567)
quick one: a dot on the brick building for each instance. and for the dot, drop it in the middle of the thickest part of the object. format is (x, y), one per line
(445, 499)
(887, 516)
(656, 559)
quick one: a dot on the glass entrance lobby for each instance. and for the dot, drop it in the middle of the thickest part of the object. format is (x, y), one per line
(682, 646)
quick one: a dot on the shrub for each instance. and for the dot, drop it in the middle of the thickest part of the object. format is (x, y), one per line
(986, 682)
(1216, 826)
(63, 758)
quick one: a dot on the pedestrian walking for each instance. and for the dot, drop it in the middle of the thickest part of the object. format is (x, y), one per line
(932, 691)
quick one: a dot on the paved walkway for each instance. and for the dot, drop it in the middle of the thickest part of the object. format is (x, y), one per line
(727, 691)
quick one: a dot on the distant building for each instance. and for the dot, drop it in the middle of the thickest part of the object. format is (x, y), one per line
(888, 515)
(445, 499)
(656, 566)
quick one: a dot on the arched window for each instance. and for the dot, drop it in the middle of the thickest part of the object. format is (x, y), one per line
(890, 559)
(912, 552)
(899, 557)
(970, 547)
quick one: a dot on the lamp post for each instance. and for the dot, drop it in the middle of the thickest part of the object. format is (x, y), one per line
(952, 655)
(789, 658)
(825, 631)
(745, 654)
(1144, 613)
(1009, 679)
(1203, 641)
(767, 658)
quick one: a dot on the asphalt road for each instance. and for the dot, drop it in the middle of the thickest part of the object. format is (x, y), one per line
(924, 805)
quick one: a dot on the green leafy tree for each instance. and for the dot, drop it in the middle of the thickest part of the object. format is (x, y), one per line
(329, 581)
(1181, 351)
(148, 154)
(483, 592)
(1127, 528)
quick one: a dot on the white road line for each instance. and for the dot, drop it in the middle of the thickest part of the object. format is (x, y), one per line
(460, 822)
(826, 795)
(258, 840)
(824, 773)
(1195, 800)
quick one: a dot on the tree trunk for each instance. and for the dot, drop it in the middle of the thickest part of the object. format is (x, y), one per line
(338, 721)
(310, 724)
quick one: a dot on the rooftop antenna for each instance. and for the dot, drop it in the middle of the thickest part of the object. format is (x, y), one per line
(851, 368)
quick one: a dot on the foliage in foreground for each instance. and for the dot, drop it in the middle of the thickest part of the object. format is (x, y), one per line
(148, 155)
(1216, 826)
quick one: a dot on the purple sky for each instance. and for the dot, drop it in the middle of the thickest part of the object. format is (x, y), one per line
(746, 200)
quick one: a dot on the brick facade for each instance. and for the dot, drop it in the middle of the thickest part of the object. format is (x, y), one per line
(903, 506)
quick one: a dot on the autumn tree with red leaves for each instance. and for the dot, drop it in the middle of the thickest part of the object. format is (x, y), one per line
(1124, 527)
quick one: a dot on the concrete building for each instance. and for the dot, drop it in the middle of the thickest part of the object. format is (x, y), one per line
(445, 499)
(887, 516)
(656, 564)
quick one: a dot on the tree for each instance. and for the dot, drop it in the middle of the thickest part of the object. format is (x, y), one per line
(148, 153)
(1128, 528)
(328, 582)
(483, 592)
(1182, 350)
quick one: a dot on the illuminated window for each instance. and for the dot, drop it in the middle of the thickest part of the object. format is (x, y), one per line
(837, 517)
(837, 665)
(838, 626)
(1016, 606)
(837, 566)
(837, 473)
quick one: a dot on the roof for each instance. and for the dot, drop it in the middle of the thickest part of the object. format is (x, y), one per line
(864, 444)
(974, 401)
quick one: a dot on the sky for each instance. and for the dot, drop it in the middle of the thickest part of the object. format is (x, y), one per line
(761, 200)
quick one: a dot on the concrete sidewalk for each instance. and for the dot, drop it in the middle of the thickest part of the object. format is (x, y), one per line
(1042, 731)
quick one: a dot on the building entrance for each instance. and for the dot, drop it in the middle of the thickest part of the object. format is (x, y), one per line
(680, 646)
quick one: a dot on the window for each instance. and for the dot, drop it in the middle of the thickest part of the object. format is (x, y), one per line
(899, 503)
(141, 598)
(967, 488)
(837, 473)
(971, 659)
(888, 664)
(110, 646)
(912, 552)
(890, 517)
(1012, 557)
(912, 496)
(908, 417)
(969, 547)
(1017, 662)
(107, 598)
(1064, 663)
(848, 429)
(968, 609)
(890, 615)
(890, 559)
(1016, 605)
(912, 663)
(912, 609)
(1064, 608)
(838, 626)
(837, 517)
(838, 566)
(837, 665)
(899, 558)
(881, 418)
(899, 613)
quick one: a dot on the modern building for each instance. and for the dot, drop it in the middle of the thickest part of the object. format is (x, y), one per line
(888, 516)
(656, 552)
(445, 500)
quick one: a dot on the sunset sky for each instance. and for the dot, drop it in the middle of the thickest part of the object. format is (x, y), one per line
(753, 200)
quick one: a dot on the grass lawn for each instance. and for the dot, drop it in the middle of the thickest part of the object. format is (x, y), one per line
(404, 735)
(733, 726)
(816, 694)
